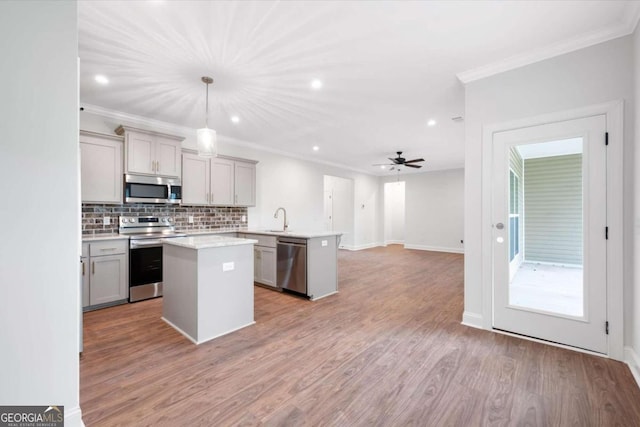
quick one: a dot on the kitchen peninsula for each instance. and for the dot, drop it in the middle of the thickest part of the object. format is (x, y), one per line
(208, 285)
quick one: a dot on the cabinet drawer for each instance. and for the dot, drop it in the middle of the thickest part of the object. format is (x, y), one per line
(269, 241)
(108, 247)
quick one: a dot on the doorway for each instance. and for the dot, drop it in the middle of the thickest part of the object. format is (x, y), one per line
(338, 208)
(394, 213)
(549, 235)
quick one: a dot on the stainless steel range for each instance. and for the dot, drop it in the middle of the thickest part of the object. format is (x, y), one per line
(146, 234)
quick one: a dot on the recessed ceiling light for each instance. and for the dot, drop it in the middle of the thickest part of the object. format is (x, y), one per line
(383, 167)
(235, 119)
(316, 84)
(103, 80)
(316, 148)
(431, 122)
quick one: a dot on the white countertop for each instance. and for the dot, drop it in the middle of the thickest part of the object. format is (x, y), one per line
(211, 231)
(299, 234)
(204, 242)
(97, 238)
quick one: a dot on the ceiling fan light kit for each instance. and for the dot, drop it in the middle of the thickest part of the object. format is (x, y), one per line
(207, 138)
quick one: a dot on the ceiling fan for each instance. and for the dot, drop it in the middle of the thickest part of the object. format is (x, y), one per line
(401, 161)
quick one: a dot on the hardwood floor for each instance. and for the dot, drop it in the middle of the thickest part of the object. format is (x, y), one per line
(388, 350)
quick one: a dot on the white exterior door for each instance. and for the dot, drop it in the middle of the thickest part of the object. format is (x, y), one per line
(556, 233)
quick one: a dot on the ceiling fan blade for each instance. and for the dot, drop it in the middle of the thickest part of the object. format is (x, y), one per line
(383, 164)
(395, 161)
(413, 166)
(414, 160)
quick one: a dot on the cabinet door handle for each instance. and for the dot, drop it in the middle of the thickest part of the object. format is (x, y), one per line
(212, 198)
(83, 268)
(236, 199)
(157, 165)
(93, 267)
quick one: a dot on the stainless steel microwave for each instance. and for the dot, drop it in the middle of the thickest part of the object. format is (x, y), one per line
(152, 189)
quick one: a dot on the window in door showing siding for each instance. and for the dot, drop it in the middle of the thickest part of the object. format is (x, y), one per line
(514, 215)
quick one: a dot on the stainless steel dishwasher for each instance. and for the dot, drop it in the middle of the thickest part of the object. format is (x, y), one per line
(292, 265)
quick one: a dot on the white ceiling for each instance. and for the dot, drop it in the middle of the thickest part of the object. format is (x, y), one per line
(386, 67)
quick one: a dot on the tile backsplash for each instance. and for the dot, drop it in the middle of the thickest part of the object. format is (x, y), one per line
(204, 217)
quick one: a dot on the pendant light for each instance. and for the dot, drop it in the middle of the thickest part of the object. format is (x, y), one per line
(207, 139)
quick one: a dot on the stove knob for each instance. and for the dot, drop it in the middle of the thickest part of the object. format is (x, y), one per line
(164, 219)
(170, 219)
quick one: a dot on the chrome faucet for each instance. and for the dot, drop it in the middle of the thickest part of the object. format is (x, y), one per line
(286, 224)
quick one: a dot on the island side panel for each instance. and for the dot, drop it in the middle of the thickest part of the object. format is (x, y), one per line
(180, 296)
(322, 267)
(225, 298)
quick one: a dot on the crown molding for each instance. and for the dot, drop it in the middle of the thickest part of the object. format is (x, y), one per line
(151, 125)
(144, 123)
(623, 28)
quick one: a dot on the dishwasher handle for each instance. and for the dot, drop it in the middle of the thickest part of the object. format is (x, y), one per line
(290, 241)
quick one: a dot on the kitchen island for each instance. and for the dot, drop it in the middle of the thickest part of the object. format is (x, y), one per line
(304, 263)
(208, 285)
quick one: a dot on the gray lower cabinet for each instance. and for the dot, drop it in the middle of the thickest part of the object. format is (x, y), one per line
(105, 274)
(264, 258)
(265, 265)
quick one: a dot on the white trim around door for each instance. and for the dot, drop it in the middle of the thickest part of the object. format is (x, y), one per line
(614, 118)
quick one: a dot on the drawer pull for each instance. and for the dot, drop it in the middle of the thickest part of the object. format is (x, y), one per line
(93, 267)
(108, 249)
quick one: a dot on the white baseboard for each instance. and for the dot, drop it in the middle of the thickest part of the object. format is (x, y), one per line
(434, 248)
(361, 247)
(473, 320)
(393, 242)
(73, 417)
(632, 359)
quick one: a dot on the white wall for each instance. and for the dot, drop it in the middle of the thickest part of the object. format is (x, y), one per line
(434, 210)
(295, 184)
(634, 330)
(394, 212)
(39, 256)
(590, 76)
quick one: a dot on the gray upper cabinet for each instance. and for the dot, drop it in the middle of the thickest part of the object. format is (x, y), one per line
(101, 167)
(245, 184)
(219, 181)
(151, 153)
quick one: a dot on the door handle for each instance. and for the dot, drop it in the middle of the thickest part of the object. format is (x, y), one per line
(499, 226)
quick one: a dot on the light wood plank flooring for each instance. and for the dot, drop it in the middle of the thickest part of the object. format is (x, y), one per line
(388, 350)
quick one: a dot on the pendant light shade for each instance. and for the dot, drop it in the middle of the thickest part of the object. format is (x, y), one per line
(207, 139)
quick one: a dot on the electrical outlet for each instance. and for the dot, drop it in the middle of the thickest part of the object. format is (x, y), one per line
(106, 220)
(190, 219)
(228, 266)
(324, 243)
(244, 218)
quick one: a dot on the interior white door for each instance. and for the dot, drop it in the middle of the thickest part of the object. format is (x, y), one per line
(558, 232)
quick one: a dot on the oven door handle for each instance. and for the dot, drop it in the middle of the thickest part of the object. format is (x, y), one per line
(151, 243)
